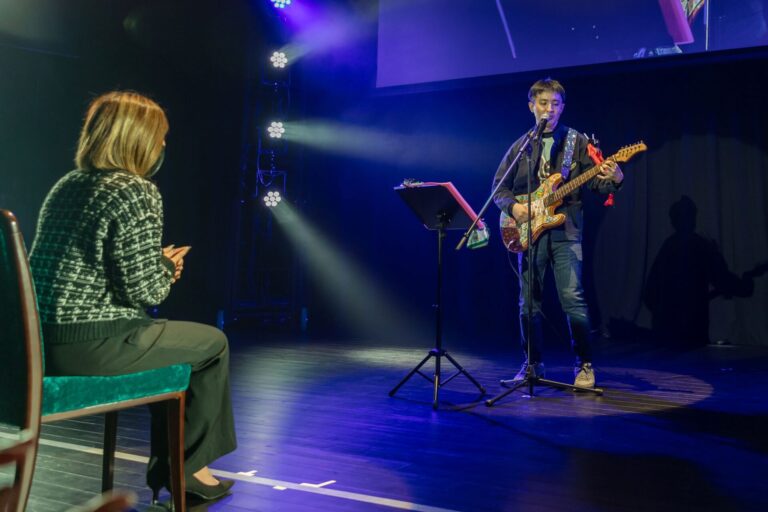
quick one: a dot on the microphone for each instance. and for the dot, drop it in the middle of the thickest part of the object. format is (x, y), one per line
(540, 127)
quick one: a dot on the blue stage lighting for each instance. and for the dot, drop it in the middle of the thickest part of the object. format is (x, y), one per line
(272, 198)
(281, 3)
(276, 130)
(279, 60)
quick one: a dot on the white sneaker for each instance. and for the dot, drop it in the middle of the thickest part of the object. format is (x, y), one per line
(585, 376)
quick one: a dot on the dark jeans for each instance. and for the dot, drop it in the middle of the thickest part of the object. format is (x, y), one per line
(209, 430)
(565, 257)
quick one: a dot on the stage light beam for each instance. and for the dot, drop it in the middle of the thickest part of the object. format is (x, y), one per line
(348, 286)
(414, 149)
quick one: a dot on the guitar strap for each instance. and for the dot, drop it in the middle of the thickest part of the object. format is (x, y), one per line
(570, 144)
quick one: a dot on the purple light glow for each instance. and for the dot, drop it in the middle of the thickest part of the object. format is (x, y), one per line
(321, 28)
(300, 14)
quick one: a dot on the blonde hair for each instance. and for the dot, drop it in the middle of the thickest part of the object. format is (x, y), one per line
(122, 130)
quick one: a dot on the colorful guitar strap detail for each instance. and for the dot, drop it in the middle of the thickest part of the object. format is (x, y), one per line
(595, 154)
(570, 144)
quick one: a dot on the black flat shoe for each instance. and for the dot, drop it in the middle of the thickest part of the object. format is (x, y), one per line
(208, 492)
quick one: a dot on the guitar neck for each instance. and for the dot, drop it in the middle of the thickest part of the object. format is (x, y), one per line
(573, 184)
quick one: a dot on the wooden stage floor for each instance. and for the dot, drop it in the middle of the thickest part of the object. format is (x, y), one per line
(675, 431)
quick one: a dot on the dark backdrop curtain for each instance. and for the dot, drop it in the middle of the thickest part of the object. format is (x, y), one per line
(686, 244)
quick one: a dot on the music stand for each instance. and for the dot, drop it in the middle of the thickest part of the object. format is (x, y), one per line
(440, 207)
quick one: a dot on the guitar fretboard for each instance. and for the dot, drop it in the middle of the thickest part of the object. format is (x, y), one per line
(573, 184)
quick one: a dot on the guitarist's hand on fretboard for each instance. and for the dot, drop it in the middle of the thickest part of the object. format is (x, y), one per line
(610, 170)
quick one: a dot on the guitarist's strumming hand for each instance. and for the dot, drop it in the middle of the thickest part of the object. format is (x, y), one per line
(520, 213)
(610, 170)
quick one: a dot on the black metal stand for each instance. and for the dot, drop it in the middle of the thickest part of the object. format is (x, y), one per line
(531, 379)
(438, 352)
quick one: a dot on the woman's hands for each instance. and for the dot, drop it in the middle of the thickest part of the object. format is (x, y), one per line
(176, 255)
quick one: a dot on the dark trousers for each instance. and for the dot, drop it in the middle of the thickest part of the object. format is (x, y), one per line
(565, 257)
(208, 422)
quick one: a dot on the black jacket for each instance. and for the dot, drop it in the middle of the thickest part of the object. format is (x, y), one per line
(517, 182)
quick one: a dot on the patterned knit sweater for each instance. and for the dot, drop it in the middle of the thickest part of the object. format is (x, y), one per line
(97, 259)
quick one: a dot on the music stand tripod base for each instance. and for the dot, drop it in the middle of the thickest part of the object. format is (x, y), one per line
(436, 379)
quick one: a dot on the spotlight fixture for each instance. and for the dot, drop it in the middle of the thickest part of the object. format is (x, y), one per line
(276, 130)
(278, 59)
(280, 4)
(271, 198)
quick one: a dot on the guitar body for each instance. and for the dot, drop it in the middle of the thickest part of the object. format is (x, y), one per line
(515, 236)
(546, 198)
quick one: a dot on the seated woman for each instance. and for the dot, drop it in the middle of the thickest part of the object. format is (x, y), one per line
(98, 262)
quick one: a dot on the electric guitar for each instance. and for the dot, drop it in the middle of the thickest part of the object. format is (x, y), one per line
(546, 198)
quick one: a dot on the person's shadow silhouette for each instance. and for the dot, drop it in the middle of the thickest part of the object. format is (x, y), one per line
(688, 271)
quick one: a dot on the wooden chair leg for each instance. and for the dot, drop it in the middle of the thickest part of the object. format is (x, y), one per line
(25, 469)
(108, 457)
(7, 499)
(176, 449)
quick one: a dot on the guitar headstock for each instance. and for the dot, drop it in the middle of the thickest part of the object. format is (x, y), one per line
(627, 152)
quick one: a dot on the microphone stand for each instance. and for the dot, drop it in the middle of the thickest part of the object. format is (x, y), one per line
(530, 136)
(531, 379)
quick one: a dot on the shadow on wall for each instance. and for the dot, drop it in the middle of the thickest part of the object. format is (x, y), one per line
(687, 273)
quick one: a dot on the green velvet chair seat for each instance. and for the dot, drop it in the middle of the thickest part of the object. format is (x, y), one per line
(62, 394)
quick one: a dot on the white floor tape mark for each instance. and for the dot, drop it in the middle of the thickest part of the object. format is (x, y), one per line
(354, 496)
(317, 486)
(275, 484)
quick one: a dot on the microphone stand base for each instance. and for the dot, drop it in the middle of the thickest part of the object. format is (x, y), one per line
(531, 381)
